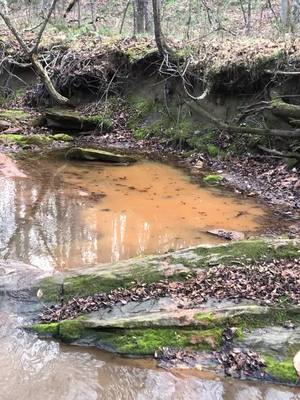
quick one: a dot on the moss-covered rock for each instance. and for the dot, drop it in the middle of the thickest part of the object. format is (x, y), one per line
(82, 154)
(213, 150)
(281, 370)
(143, 341)
(26, 140)
(73, 121)
(174, 265)
(14, 115)
(213, 179)
(145, 327)
(62, 137)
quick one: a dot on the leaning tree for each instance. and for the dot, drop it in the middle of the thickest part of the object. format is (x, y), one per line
(32, 51)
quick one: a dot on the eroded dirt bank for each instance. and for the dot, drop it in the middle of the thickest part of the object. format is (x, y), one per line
(245, 129)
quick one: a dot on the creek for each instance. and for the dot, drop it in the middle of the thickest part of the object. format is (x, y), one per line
(60, 215)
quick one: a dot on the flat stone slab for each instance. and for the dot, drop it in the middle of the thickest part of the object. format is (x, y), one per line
(73, 121)
(15, 275)
(82, 154)
(275, 339)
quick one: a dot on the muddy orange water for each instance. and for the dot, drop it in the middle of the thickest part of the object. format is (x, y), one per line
(67, 215)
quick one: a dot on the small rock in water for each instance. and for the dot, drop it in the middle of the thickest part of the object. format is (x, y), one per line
(229, 235)
(289, 325)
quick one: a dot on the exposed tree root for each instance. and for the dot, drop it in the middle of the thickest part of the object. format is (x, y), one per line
(279, 153)
(243, 129)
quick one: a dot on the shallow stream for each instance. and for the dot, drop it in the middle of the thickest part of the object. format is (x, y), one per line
(62, 215)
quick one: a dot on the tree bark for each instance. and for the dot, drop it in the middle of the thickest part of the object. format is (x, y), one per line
(159, 38)
(142, 16)
(42, 73)
(283, 109)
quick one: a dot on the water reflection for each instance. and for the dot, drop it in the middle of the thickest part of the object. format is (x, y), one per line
(33, 369)
(69, 215)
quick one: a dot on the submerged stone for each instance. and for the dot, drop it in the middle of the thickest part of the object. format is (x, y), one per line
(78, 153)
(9, 168)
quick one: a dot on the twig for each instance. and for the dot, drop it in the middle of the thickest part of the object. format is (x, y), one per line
(279, 153)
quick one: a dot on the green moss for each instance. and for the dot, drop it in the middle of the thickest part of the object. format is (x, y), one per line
(63, 137)
(71, 330)
(147, 341)
(139, 51)
(213, 179)
(247, 250)
(201, 140)
(213, 150)
(101, 121)
(282, 371)
(14, 115)
(68, 331)
(140, 341)
(140, 108)
(179, 133)
(85, 285)
(71, 120)
(252, 317)
(145, 270)
(23, 141)
(50, 329)
(51, 289)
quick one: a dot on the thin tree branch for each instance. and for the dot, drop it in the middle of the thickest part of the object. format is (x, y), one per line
(43, 27)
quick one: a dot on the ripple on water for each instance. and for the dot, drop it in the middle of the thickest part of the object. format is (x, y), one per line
(68, 215)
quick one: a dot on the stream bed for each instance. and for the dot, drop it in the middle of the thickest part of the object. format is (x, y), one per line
(66, 215)
(59, 215)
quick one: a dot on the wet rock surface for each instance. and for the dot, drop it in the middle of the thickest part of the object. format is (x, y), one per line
(89, 154)
(264, 282)
(228, 235)
(16, 275)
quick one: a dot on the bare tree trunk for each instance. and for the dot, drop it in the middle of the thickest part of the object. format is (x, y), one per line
(32, 53)
(92, 5)
(249, 17)
(148, 21)
(160, 40)
(285, 12)
(70, 7)
(140, 16)
(124, 16)
(78, 13)
(143, 23)
(134, 17)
